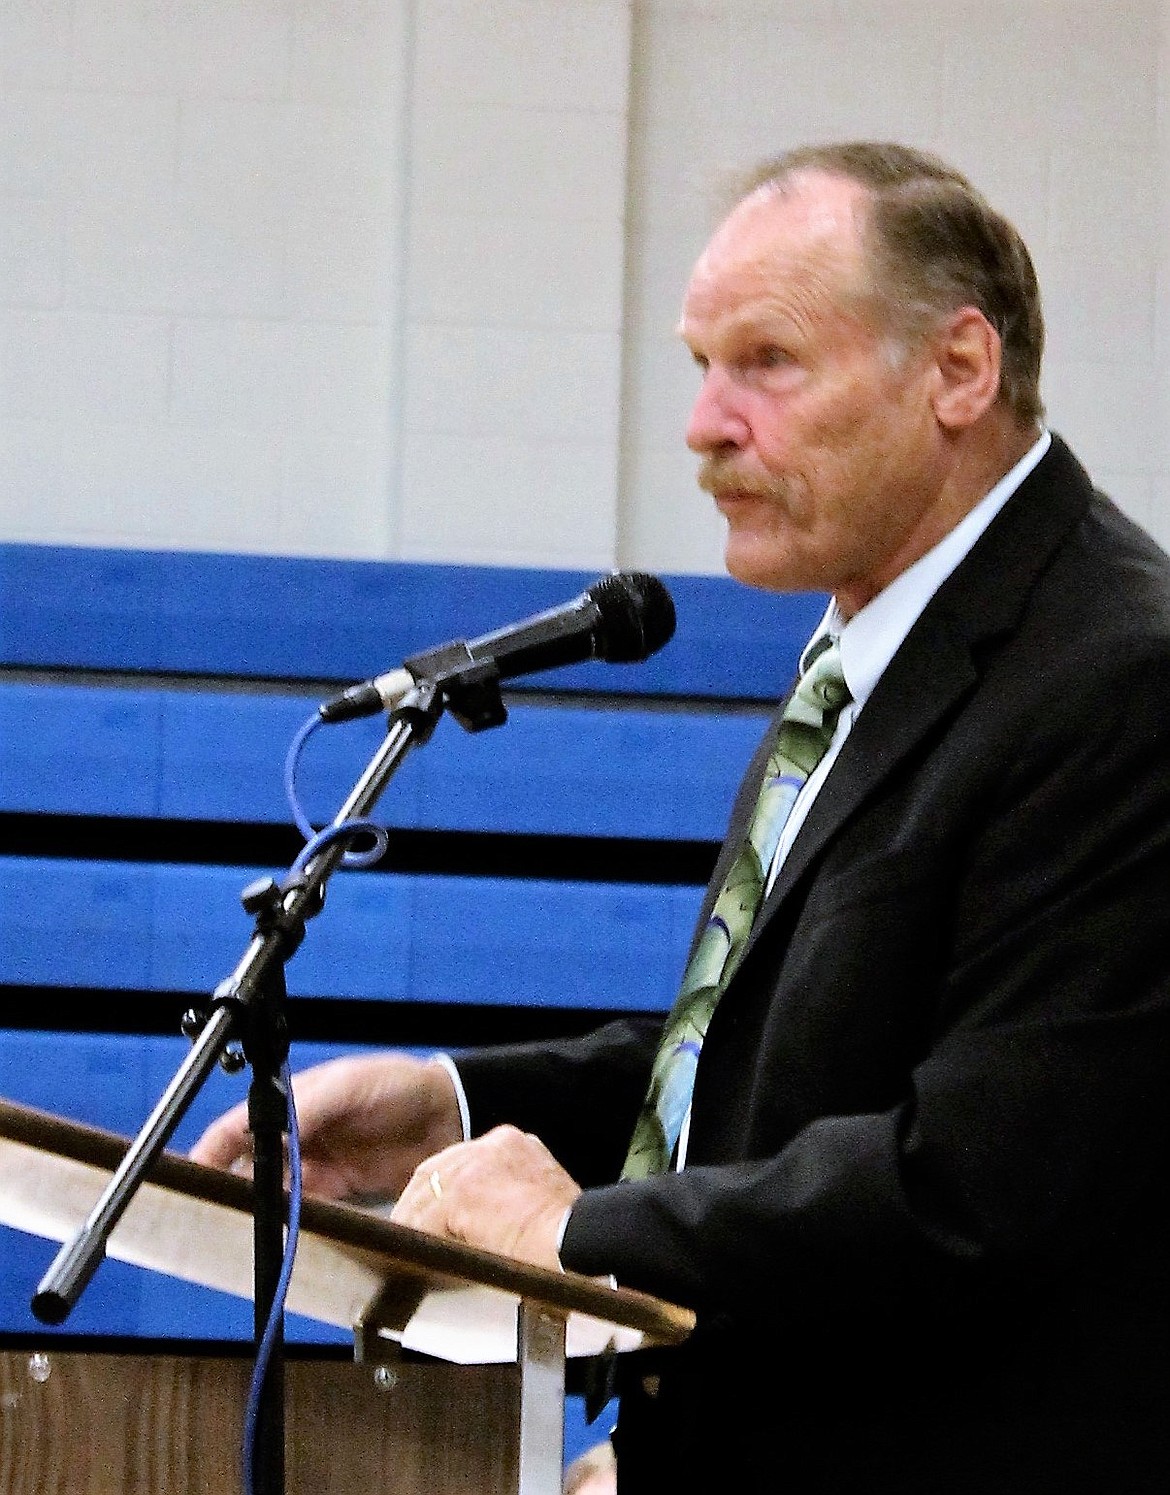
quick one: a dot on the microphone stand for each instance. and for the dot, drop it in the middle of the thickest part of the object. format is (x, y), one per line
(249, 1005)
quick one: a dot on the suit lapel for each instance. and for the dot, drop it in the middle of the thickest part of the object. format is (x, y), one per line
(929, 682)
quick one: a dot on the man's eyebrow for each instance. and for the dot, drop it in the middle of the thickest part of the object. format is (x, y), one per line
(753, 324)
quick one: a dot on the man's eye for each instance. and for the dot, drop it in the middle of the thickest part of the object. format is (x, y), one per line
(769, 357)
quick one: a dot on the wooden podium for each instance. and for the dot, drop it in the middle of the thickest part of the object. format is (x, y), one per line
(458, 1387)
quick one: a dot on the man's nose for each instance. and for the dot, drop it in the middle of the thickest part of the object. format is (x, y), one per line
(715, 423)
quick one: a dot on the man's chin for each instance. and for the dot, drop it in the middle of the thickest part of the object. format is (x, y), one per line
(758, 565)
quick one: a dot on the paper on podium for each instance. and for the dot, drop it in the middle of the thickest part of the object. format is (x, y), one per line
(353, 1267)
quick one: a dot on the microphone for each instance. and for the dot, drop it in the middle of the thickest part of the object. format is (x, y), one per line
(621, 619)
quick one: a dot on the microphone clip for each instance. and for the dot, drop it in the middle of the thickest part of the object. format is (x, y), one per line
(469, 688)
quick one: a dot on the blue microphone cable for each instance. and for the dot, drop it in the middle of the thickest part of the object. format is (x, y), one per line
(268, 1339)
(316, 840)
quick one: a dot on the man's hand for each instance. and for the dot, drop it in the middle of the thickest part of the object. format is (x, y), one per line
(504, 1192)
(365, 1124)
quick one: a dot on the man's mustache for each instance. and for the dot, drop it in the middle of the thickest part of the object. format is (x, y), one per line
(719, 475)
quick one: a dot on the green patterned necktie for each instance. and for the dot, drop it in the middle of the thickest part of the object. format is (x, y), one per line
(803, 737)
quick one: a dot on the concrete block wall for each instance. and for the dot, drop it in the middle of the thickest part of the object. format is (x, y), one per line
(398, 278)
(509, 420)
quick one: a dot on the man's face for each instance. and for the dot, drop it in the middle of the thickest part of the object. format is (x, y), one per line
(817, 434)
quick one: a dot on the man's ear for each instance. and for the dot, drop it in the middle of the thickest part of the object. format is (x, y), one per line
(968, 355)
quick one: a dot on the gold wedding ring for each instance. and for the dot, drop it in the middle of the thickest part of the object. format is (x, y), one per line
(436, 1185)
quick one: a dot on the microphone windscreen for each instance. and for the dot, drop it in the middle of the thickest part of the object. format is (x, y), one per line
(636, 615)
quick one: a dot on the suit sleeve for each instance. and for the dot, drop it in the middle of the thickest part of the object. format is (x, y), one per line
(580, 1096)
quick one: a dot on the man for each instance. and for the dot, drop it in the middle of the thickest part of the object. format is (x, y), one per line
(918, 1192)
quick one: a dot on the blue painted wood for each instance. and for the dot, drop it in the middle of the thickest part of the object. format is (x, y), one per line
(162, 927)
(206, 755)
(69, 750)
(165, 611)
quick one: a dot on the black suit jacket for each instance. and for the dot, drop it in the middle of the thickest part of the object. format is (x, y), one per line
(924, 1218)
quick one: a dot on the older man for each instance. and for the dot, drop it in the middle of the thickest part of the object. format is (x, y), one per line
(903, 1142)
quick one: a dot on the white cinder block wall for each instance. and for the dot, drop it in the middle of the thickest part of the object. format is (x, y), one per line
(398, 278)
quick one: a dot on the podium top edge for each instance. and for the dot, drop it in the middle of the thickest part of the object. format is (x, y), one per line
(431, 1261)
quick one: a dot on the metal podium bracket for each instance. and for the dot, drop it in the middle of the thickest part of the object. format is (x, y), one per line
(392, 1309)
(540, 1343)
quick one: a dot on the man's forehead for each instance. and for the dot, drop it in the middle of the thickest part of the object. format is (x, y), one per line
(805, 210)
(811, 219)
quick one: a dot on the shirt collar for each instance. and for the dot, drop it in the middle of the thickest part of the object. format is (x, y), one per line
(871, 638)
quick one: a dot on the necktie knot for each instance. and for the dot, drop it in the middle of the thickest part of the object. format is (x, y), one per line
(821, 693)
(825, 681)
